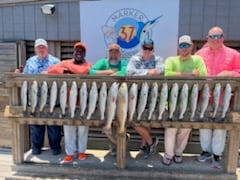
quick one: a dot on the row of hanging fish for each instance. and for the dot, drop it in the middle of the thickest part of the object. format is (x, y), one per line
(145, 102)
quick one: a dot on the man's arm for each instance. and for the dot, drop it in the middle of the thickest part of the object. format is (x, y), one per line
(234, 66)
(200, 67)
(132, 70)
(169, 68)
(101, 68)
(123, 68)
(159, 65)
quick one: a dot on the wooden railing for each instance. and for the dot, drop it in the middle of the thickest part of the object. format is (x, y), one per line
(20, 118)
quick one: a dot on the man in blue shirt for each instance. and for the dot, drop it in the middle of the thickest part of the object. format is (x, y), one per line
(39, 64)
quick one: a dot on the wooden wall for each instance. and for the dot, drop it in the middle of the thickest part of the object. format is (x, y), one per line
(23, 20)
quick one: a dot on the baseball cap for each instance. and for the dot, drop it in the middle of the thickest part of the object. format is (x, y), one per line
(80, 45)
(114, 47)
(185, 39)
(148, 42)
(40, 41)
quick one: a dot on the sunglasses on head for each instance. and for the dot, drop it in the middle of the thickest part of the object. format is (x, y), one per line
(184, 45)
(147, 48)
(214, 36)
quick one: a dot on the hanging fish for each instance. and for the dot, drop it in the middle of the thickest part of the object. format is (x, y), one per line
(34, 96)
(142, 100)
(44, 95)
(162, 100)
(122, 104)
(111, 107)
(226, 99)
(93, 96)
(53, 96)
(153, 102)
(73, 99)
(194, 100)
(102, 100)
(24, 95)
(205, 100)
(63, 97)
(83, 98)
(216, 98)
(173, 100)
(183, 100)
(132, 101)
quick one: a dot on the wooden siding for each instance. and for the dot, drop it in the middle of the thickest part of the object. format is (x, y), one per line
(23, 20)
(197, 17)
(8, 58)
(26, 22)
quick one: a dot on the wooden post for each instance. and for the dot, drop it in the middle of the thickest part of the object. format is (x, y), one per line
(231, 157)
(121, 150)
(18, 141)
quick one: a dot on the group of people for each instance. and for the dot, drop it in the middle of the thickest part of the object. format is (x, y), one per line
(214, 59)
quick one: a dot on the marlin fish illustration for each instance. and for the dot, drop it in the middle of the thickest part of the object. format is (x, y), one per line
(144, 28)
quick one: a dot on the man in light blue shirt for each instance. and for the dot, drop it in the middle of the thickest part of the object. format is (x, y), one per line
(39, 64)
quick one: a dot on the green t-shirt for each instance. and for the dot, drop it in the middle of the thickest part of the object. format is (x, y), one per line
(103, 64)
(175, 64)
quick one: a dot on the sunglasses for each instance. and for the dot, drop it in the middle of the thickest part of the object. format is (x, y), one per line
(184, 45)
(214, 36)
(147, 48)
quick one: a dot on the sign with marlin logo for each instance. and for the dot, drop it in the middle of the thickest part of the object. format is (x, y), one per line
(128, 23)
(128, 27)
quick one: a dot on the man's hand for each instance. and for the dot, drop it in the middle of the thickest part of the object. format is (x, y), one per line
(225, 73)
(195, 72)
(66, 71)
(19, 70)
(152, 72)
(44, 72)
(106, 72)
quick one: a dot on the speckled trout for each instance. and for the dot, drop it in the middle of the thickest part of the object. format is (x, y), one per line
(83, 98)
(132, 101)
(205, 100)
(53, 96)
(226, 99)
(34, 96)
(122, 104)
(153, 99)
(93, 97)
(173, 100)
(63, 97)
(142, 100)
(111, 107)
(73, 99)
(163, 100)
(102, 100)
(44, 95)
(24, 95)
(183, 100)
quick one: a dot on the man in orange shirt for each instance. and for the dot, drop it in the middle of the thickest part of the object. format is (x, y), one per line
(76, 65)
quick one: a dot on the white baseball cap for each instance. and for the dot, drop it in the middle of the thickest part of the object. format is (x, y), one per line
(185, 39)
(39, 42)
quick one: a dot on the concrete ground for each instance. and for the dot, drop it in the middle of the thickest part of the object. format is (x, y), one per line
(101, 165)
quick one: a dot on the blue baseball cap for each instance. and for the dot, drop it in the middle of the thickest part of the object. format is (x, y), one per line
(148, 42)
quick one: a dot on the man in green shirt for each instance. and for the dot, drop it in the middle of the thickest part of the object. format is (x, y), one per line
(112, 65)
(185, 64)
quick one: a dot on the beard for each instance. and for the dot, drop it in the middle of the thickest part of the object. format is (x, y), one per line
(113, 61)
